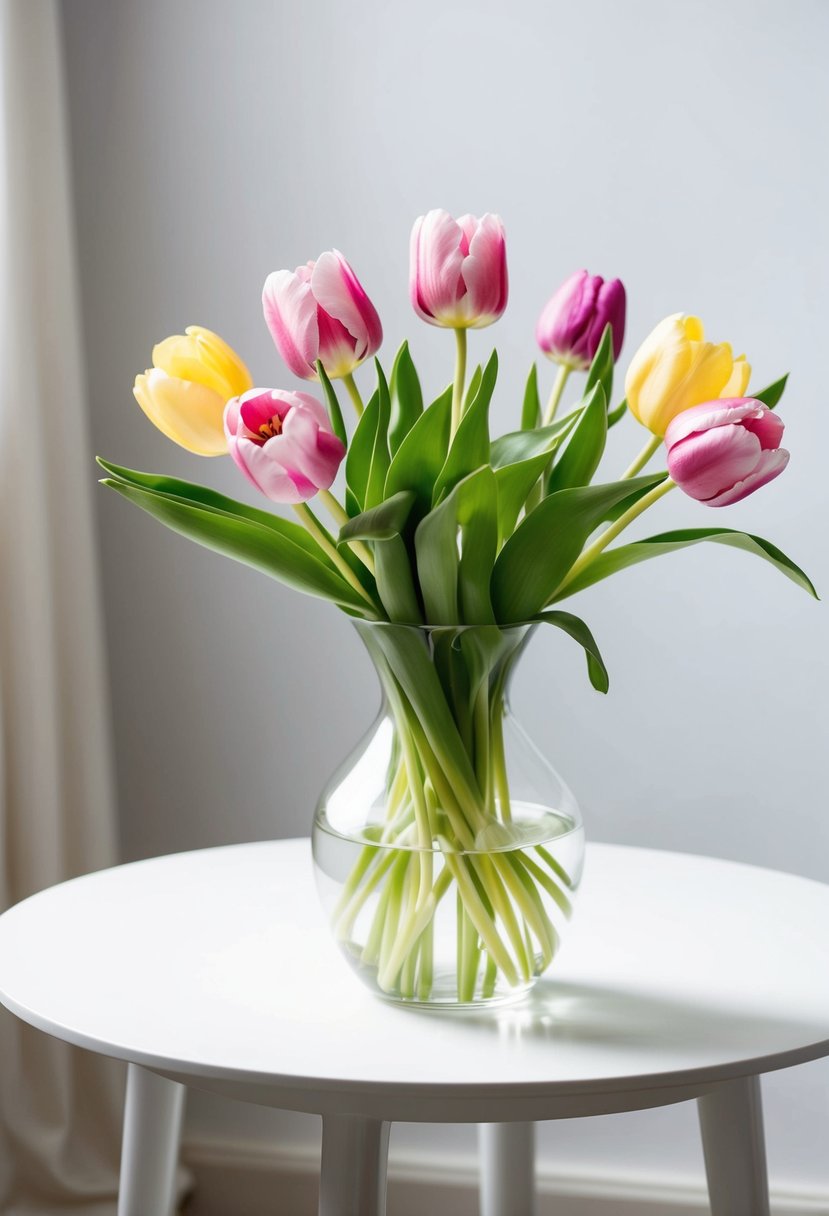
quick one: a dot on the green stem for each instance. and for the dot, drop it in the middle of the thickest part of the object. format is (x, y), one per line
(643, 457)
(424, 832)
(483, 765)
(555, 396)
(460, 378)
(502, 905)
(348, 915)
(424, 980)
(411, 932)
(609, 534)
(326, 543)
(478, 915)
(490, 976)
(552, 888)
(354, 393)
(340, 516)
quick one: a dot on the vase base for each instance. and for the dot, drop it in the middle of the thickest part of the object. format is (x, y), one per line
(448, 1005)
(443, 992)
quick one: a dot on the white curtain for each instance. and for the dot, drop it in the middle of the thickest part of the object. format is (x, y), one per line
(60, 1109)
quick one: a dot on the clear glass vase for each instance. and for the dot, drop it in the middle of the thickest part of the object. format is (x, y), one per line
(447, 849)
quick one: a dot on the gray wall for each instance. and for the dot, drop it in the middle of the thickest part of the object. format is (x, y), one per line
(681, 149)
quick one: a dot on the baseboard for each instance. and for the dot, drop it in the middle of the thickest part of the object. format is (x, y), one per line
(252, 1180)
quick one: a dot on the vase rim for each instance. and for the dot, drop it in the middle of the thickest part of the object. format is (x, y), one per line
(477, 627)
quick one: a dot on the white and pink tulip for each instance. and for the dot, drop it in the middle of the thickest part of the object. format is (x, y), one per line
(458, 270)
(283, 443)
(722, 451)
(320, 311)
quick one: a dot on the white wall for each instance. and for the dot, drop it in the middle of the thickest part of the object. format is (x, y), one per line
(679, 147)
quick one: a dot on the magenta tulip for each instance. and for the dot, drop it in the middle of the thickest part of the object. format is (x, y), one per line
(320, 311)
(571, 325)
(283, 443)
(721, 451)
(458, 270)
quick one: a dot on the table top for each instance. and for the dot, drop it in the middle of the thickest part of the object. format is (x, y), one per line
(216, 967)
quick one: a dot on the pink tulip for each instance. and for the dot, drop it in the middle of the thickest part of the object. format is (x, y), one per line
(721, 451)
(320, 311)
(458, 270)
(571, 325)
(283, 443)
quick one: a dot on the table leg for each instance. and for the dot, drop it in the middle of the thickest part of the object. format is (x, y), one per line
(149, 1153)
(354, 1157)
(507, 1168)
(731, 1120)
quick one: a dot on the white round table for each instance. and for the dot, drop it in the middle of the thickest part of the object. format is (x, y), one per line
(682, 977)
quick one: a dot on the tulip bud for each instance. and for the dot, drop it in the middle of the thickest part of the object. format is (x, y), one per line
(320, 311)
(571, 325)
(675, 368)
(458, 270)
(283, 443)
(721, 451)
(185, 392)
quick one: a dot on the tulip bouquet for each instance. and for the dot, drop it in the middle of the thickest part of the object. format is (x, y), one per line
(447, 546)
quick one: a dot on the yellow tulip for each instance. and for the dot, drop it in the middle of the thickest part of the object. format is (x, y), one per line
(676, 368)
(184, 394)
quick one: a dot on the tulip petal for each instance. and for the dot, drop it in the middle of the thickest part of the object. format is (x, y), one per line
(771, 465)
(767, 426)
(338, 349)
(709, 414)
(338, 291)
(298, 451)
(306, 402)
(737, 382)
(706, 464)
(188, 413)
(180, 357)
(259, 405)
(291, 316)
(233, 425)
(611, 309)
(222, 360)
(484, 270)
(436, 260)
(269, 475)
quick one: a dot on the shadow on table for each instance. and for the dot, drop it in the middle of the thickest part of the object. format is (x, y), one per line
(592, 1014)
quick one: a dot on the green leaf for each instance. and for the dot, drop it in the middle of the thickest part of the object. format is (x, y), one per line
(585, 447)
(612, 560)
(514, 482)
(334, 411)
(406, 398)
(601, 369)
(478, 519)
(395, 585)
(547, 542)
(410, 663)
(516, 446)
(455, 581)
(421, 455)
(203, 496)
(438, 561)
(368, 458)
(531, 409)
(273, 548)
(576, 628)
(618, 414)
(772, 393)
(472, 387)
(470, 446)
(383, 526)
(381, 522)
